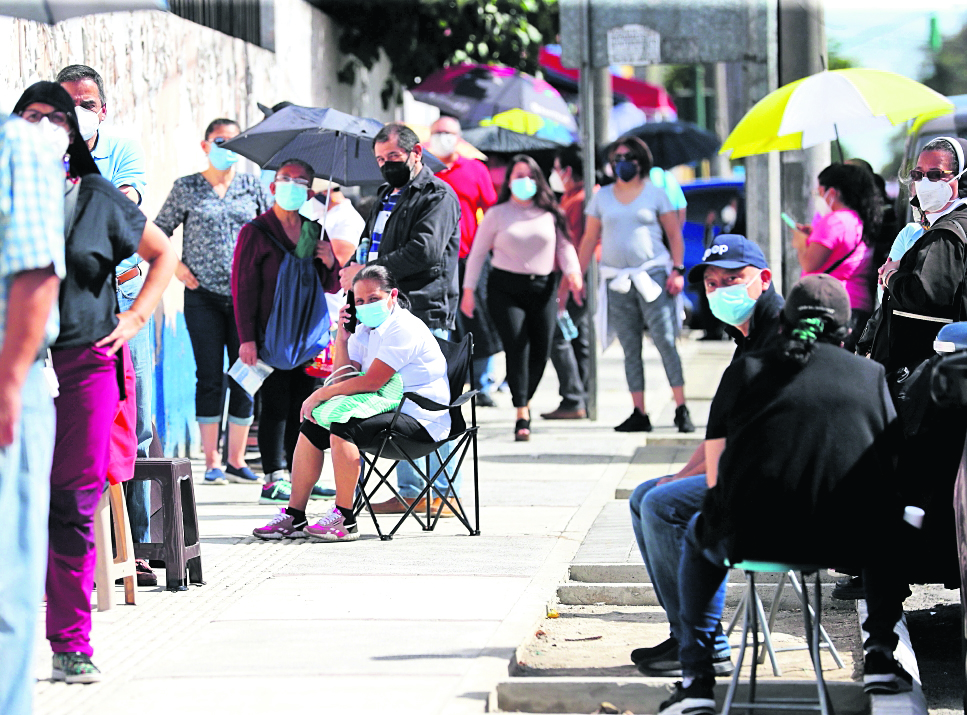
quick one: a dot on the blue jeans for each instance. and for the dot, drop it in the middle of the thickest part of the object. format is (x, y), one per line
(659, 517)
(138, 494)
(410, 483)
(24, 500)
(702, 577)
(210, 318)
(483, 373)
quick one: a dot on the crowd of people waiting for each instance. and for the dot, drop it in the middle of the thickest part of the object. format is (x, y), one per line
(799, 427)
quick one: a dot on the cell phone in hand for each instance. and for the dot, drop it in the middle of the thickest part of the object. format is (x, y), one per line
(351, 323)
(788, 220)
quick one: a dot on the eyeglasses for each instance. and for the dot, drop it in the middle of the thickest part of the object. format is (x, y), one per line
(624, 157)
(58, 118)
(219, 141)
(931, 174)
(291, 180)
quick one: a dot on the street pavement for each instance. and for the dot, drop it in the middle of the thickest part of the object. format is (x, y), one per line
(425, 623)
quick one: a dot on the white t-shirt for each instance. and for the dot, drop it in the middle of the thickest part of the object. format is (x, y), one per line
(343, 223)
(405, 344)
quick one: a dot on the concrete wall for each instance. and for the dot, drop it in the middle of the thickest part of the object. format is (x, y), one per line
(166, 79)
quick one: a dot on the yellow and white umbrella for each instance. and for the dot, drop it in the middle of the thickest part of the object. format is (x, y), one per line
(821, 107)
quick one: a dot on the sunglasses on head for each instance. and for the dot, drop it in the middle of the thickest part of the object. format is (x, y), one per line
(931, 174)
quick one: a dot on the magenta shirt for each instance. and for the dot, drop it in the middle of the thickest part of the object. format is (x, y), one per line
(841, 231)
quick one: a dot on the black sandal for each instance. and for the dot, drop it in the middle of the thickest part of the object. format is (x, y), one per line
(522, 431)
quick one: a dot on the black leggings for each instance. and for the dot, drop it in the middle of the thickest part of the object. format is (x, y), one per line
(363, 432)
(282, 395)
(524, 310)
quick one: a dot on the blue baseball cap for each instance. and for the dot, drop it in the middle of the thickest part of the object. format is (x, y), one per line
(729, 251)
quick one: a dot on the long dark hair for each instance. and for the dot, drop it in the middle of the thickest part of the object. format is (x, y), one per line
(857, 189)
(381, 276)
(80, 159)
(796, 341)
(543, 199)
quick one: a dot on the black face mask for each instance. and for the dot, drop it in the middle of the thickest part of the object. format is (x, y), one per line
(396, 173)
(625, 170)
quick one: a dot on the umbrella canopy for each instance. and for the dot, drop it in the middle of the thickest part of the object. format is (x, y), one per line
(674, 143)
(480, 95)
(822, 106)
(51, 11)
(494, 139)
(338, 146)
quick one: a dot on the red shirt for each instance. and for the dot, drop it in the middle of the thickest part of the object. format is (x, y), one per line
(470, 180)
(572, 204)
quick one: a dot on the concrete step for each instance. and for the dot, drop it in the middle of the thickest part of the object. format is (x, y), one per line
(637, 573)
(645, 695)
(643, 594)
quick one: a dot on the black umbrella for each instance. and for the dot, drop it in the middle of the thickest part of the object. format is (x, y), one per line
(497, 139)
(674, 143)
(51, 11)
(338, 146)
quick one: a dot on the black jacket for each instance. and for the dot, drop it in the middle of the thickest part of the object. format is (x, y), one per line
(929, 282)
(420, 245)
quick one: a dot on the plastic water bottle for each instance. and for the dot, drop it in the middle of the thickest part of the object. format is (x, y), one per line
(568, 328)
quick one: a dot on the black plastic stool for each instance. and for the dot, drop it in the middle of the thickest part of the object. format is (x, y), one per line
(180, 549)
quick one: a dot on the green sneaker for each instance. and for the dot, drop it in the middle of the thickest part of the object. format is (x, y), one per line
(276, 492)
(75, 668)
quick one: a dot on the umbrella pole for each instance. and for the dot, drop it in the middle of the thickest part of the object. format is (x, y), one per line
(838, 145)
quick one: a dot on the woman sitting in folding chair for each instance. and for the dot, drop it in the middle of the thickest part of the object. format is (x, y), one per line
(390, 352)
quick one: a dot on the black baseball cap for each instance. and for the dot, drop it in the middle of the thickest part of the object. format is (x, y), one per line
(818, 296)
(729, 251)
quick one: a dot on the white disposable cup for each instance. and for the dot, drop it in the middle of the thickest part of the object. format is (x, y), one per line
(913, 515)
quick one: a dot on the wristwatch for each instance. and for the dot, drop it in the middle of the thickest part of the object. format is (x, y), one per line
(680, 269)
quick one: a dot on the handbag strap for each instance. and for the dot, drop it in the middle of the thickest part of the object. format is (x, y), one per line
(267, 232)
(841, 260)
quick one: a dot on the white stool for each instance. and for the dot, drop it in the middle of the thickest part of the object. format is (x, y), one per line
(110, 567)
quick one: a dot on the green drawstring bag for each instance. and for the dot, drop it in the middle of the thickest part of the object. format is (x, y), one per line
(366, 404)
(308, 238)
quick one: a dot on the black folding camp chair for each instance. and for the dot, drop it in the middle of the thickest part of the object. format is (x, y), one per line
(392, 445)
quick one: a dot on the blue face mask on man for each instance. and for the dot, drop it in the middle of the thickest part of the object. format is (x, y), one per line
(732, 304)
(372, 315)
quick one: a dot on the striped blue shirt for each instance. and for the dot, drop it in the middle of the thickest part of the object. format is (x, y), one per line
(389, 203)
(31, 211)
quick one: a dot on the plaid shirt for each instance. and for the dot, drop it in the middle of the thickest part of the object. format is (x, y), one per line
(31, 210)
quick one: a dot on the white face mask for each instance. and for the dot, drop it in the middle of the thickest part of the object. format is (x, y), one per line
(934, 195)
(729, 215)
(54, 135)
(443, 144)
(88, 121)
(819, 204)
(556, 182)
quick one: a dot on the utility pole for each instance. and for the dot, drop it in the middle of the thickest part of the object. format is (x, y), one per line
(802, 52)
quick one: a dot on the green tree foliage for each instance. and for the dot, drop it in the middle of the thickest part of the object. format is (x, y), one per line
(948, 73)
(835, 59)
(421, 36)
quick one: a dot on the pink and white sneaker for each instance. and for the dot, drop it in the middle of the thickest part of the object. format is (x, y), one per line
(332, 527)
(282, 526)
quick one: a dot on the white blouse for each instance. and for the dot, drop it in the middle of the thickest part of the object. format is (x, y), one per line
(405, 344)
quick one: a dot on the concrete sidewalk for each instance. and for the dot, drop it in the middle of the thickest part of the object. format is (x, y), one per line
(425, 623)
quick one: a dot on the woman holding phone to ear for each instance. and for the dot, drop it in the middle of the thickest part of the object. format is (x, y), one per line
(840, 242)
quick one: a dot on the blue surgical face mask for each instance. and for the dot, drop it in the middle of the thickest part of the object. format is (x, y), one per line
(221, 158)
(625, 170)
(523, 188)
(290, 196)
(372, 315)
(733, 305)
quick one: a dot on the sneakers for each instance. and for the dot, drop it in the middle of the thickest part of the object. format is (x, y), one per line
(74, 668)
(277, 476)
(215, 476)
(322, 493)
(332, 527)
(883, 675)
(697, 699)
(282, 526)
(671, 667)
(242, 475)
(668, 648)
(850, 589)
(683, 420)
(276, 492)
(638, 422)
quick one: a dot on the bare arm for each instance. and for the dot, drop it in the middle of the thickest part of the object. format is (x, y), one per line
(676, 246)
(344, 250)
(155, 248)
(590, 241)
(32, 294)
(713, 452)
